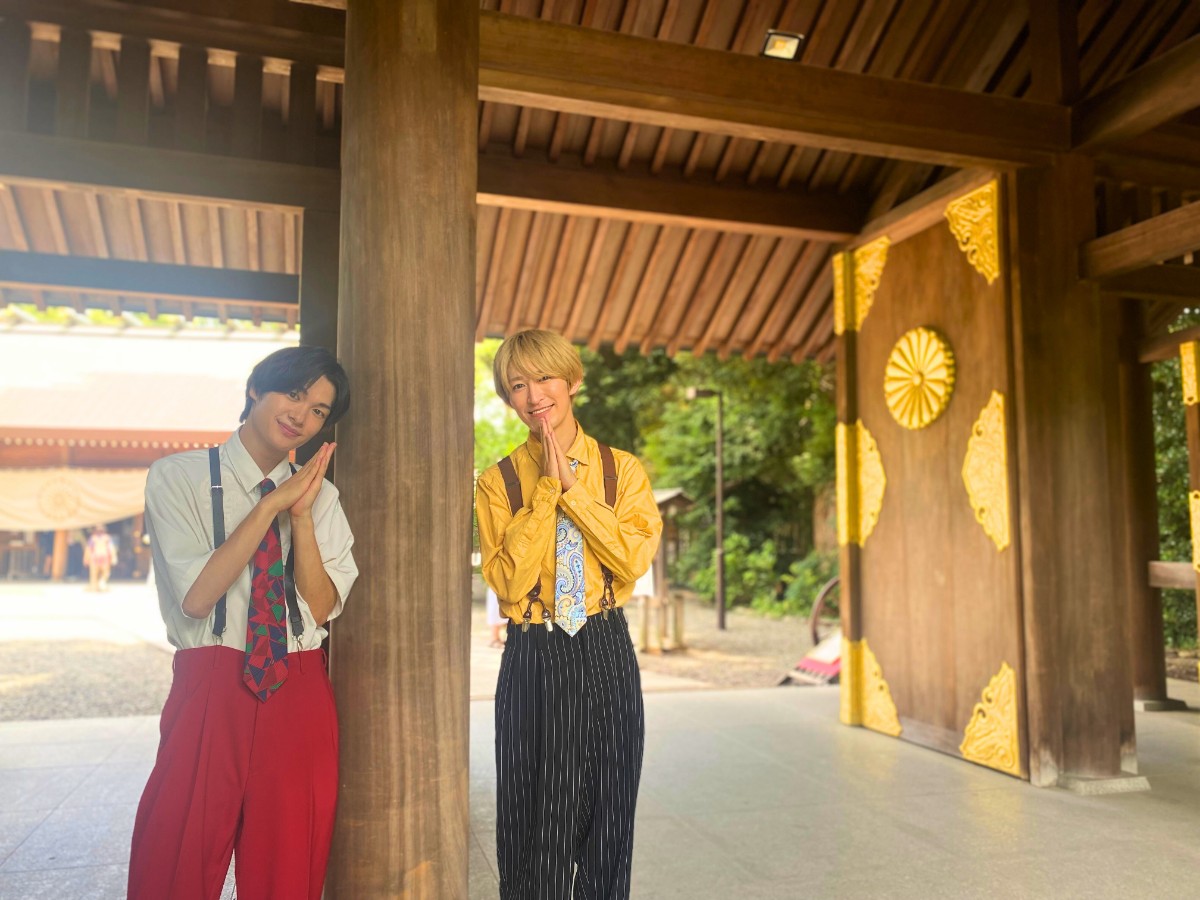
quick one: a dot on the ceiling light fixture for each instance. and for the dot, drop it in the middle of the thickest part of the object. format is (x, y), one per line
(782, 44)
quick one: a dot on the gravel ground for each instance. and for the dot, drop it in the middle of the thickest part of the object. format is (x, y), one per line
(81, 679)
(753, 651)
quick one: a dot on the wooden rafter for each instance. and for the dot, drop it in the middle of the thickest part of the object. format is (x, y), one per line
(603, 191)
(160, 171)
(642, 295)
(567, 69)
(1152, 241)
(1164, 282)
(750, 259)
(116, 277)
(1159, 91)
(487, 301)
(587, 274)
(673, 294)
(801, 274)
(615, 280)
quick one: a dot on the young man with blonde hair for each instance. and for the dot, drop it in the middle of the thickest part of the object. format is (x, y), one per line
(566, 527)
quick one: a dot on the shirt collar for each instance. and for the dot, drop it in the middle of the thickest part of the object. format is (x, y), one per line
(577, 450)
(246, 470)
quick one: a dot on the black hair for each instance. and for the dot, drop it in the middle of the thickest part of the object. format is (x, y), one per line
(295, 369)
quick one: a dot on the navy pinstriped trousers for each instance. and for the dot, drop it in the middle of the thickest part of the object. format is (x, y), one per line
(570, 731)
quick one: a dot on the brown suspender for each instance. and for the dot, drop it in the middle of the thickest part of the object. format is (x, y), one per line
(512, 483)
(512, 486)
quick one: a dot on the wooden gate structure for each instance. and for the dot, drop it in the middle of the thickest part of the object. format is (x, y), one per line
(980, 211)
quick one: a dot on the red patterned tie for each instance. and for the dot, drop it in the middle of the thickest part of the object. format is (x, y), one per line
(266, 629)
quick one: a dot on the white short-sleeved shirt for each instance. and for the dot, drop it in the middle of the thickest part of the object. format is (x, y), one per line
(179, 520)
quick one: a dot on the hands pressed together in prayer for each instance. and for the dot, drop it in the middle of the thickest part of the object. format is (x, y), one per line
(298, 493)
(554, 459)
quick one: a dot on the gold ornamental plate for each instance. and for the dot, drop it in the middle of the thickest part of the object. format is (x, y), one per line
(919, 378)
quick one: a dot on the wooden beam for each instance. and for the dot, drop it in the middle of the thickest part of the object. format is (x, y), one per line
(1165, 282)
(1152, 241)
(922, 211)
(274, 30)
(1054, 50)
(565, 68)
(1166, 157)
(1172, 575)
(160, 172)
(126, 278)
(570, 188)
(1158, 92)
(1165, 346)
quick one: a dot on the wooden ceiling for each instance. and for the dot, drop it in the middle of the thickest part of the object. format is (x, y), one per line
(612, 231)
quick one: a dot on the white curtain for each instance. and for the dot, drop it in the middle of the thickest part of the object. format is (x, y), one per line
(49, 499)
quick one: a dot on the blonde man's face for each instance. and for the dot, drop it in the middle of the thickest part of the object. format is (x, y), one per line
(538, 398)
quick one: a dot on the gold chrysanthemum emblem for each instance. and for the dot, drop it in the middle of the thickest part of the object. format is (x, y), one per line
(919, 378)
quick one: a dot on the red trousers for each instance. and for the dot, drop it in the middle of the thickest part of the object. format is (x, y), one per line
(236, 774)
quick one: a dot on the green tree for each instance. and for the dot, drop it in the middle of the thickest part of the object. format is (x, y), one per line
(779, 429)
(1171, 461)
(497, 428)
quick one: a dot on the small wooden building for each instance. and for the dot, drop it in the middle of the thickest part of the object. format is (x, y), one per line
(981, 210)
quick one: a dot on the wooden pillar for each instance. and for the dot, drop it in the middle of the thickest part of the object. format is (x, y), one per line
(14, 73)
(58, 562)
(246, 139)
(319, 256)
(74, 83)
(133, 91)
(1079, 694)
(1137, 530)
(405, 324)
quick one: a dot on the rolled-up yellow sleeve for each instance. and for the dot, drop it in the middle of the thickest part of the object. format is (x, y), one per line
(513, 548)
(624, 538)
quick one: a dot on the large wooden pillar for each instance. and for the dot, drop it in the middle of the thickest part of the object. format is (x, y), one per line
(1080, 701)
(401, 651)
(1137, 530)
(319, 264)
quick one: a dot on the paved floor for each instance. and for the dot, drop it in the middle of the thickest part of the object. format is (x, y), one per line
(754, 795)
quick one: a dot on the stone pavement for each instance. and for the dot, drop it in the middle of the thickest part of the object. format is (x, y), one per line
(747, 794)
(753, 794)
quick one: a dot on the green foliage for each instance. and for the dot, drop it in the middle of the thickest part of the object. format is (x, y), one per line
(497, 428)
(803, 581)
(621, 400)
(749, 571)
(779, 432)
(1171, 460)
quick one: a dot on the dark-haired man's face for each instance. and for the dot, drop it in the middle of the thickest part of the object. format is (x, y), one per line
(284, 422)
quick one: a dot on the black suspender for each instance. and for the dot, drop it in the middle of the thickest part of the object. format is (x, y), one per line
(289, 567)
(512, 487)
(218, 513)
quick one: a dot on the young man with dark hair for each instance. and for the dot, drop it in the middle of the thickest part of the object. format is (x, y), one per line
(566, 527)
(247, 760)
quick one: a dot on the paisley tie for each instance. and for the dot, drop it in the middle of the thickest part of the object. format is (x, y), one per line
(570, 606)
(266, 632)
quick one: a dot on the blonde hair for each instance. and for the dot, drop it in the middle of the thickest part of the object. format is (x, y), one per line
(535, 353)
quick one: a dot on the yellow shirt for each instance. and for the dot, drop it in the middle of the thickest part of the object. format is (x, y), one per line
(518, 550)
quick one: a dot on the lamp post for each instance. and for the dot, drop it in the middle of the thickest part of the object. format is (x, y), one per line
(692, 394)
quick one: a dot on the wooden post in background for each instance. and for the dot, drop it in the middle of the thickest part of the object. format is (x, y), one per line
(1078, 685)
(319, 264)
(405, 326)
(58, 561)
(1137, 530)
